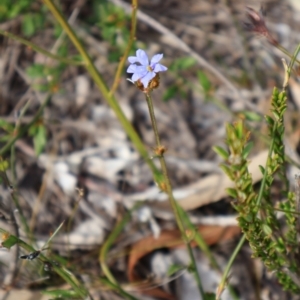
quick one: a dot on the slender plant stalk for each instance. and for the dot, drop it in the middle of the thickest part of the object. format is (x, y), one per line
(103, 88)
(71, 218)
(168, 189)
(107, 245)
(233, 256)
(198, 238)
(13, 165)
(286, 52)
(38, 200)
(128, 48)
(117, 288)
(36, 48)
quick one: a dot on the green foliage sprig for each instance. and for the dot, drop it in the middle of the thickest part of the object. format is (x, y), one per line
(257, 213)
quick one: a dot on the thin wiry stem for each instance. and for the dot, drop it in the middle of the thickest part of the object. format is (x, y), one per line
(224, 280)
(166, 184)
(104, 252)
(128, 48)
(41, 50)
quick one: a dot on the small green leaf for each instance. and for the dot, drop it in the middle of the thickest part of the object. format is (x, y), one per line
(204, 81)
(221, 152)
(232, 192)
(40, 139)
(182, 63)
(175, 268)
(170, 93)
(247, 150)
(4, 165)
(6, 126)
(5, 138)
(252, 116)
(57, 30)
(210, 296)
(276, 115)
(36, 71)
(63, 50)
(10, 241)
(282, 96)
(191, 268)
(60, 294)
(227, 170)
(283, 111)
(239, 129)
(275, 93)
(262, 169)
(267, 229)
(28, 25)
(269, 120)
(54, 234)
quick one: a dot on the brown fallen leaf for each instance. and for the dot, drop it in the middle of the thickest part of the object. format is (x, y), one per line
(212, 234)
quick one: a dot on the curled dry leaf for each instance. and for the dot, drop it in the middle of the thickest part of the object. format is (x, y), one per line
(212, 234)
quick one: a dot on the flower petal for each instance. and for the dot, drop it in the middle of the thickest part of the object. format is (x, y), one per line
(159, 68)
(138, 75)
(141, 70)
(145, 80)
(156, 58)
(142, 57)
(131, 69)
(135, 77)
(137, 69)
(133, 59)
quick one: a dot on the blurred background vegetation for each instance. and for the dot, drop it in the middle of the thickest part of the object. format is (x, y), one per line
(74, 163)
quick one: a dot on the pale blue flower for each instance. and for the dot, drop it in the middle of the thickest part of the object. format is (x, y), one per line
(141, 68)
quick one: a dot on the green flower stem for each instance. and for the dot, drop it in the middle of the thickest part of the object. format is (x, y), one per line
(168, 190)
(13, 165)
(291, 64)
(197, 237)
(104, 251)
(264, 179)
(41, 50)
(117, 288)
(128, 48)
(286, 52)
(108, 243)
(96, 76)
(224, 279)
(71, 218)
